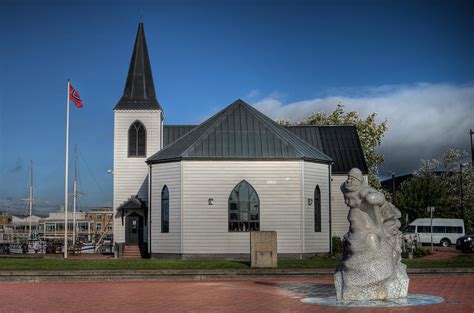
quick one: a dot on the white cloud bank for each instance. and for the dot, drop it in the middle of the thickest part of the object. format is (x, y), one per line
(424, 119)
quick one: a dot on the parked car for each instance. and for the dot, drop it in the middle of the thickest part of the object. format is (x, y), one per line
(465, 243)
(445, 230)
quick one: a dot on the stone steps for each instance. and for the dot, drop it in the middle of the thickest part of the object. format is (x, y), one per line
(131, 252)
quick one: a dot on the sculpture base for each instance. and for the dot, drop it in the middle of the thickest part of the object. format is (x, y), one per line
(350, 289)
(410, 300)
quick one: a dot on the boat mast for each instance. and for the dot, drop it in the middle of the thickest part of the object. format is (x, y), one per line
(31, 197)
(75, 197)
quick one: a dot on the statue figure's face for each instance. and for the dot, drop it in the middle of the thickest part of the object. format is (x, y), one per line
(352, 200)
(352, 183)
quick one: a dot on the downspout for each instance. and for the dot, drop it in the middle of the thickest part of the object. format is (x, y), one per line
(149, 207)
(181, 208)
(302, 211)
(115, 211)
(330, 207)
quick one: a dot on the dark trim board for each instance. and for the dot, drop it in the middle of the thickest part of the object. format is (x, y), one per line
(279, 159)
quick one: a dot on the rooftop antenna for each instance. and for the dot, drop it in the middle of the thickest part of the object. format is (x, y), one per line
(141, 16)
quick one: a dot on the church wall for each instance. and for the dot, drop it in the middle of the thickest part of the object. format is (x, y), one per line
(168, 174)
(205, 227)
(340, 224)
(130, 174)
(316, 174)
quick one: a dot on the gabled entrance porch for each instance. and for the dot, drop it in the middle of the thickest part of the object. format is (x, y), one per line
(134, 217)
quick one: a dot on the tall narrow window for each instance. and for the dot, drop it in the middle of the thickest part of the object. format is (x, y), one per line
(317, 209)
(137, 140)
(244, 208)
(165, 210)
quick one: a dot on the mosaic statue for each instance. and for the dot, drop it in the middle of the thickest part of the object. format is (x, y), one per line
(371, 267)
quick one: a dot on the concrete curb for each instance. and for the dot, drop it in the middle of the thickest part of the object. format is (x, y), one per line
(221, 274)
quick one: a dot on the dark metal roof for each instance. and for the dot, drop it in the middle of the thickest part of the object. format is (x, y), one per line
(340, 142)
(239, 132)
(139, 91)
(171, 133)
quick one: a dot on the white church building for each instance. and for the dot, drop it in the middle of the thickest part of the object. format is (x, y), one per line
(197, 191)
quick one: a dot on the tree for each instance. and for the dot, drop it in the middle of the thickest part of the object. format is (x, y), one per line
(369, 131)
(438, 183)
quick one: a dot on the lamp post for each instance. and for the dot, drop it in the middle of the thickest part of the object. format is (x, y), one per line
(431, 209)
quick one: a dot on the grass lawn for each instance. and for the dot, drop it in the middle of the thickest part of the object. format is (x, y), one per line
(464, 260)
(145, 264)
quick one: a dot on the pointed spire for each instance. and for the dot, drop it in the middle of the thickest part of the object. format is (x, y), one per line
(139, 91)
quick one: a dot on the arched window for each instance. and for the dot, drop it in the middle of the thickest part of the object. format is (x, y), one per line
(244, 208)
(165, 210)
(317, 209)
(137, 140)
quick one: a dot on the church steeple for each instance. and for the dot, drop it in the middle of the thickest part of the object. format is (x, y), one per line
(139, 91)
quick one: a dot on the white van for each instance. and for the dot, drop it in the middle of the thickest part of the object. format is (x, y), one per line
(445, 230)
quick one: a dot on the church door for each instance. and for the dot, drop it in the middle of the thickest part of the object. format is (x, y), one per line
(133, 229)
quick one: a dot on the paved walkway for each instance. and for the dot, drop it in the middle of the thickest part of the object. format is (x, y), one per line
(259, 295)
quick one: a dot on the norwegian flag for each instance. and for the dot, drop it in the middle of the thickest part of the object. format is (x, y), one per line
(74, 96)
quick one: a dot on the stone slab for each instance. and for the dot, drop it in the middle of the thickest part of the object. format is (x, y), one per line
(263, 249)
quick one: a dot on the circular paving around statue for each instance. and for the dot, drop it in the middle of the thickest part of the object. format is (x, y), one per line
(410, 300)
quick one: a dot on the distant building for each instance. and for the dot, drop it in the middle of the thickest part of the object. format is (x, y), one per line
(52, 227)
(390, 183)
(92, 226)
(6, 231)
(15, 228)
(101, 222)
(5, 218)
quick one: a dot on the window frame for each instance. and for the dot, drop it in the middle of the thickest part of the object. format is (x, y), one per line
(136, 126)
(241, 223)
(165, 225)
(423, 229)
(317, 209)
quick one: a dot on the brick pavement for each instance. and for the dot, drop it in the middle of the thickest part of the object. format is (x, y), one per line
(259, 295)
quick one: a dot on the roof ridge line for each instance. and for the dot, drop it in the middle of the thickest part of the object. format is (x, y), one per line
(221, 113)
(274, 124)
(189, 134)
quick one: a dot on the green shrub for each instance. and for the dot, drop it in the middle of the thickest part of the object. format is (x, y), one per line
(420, 252)
(336, 245)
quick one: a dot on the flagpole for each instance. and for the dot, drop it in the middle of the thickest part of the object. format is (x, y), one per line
(66, 196)
(75, 200)
(31, 197)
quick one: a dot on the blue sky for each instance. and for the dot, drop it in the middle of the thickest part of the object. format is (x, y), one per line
(411, 61)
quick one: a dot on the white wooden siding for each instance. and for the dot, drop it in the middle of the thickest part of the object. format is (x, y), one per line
(340, 224)
(205, 227)
(316, 174)
(130, 174)
(168, 174)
